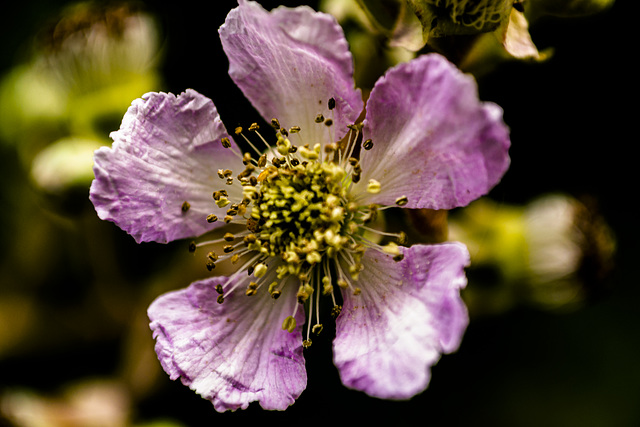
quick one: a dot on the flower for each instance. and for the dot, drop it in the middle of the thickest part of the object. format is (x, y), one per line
(304, 207)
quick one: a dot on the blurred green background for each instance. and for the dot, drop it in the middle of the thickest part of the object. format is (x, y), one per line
(74, 337)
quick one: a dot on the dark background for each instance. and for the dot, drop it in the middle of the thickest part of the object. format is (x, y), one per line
(571, 120)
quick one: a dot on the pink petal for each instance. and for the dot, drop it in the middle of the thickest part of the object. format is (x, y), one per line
(434, 141)
(408, 313)
(232, 353)
(166, 152)
(289, 63)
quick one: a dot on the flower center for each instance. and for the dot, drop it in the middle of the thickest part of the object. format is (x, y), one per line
(303, 225)
(300, 214)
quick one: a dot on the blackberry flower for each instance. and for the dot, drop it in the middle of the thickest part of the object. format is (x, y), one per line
(305, 203)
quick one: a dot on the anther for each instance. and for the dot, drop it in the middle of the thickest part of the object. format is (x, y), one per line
(336, 310)
(398, 257)
(294, 129)
(252, 289)
(192, 247)
(284, 132)
(225, 142)
(304, 292)
(327, 287)
(228, 219)
(317, 328)
(262, 161)
(401, 201)
(220, 299)
(402, 238)
(275, 124)
(319, 118)
(328, 122)
(253, 127)
(373, 186)
(250, 238)
(222, 202)
(367, 145)
(210, 265)
(227, 249)
(219, 289)
(260, 270)
(332, 103)
(238, 130)
(289, 324)
(306, 343)
(331, 147)
(229, 237)
(212, 256)
(185, 206)
(391, 248)
(246, 158)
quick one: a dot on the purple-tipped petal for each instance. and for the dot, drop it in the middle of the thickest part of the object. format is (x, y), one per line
(289, 63)
(232, 353)
(408, 313)
(166, 152)
(434, 141)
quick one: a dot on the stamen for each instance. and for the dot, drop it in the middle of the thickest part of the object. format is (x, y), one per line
(299, 212)
(185, 207)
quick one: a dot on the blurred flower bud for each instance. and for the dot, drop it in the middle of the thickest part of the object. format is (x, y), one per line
(554, 253)
(84, 71)
(65, 163)
(571, 250)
